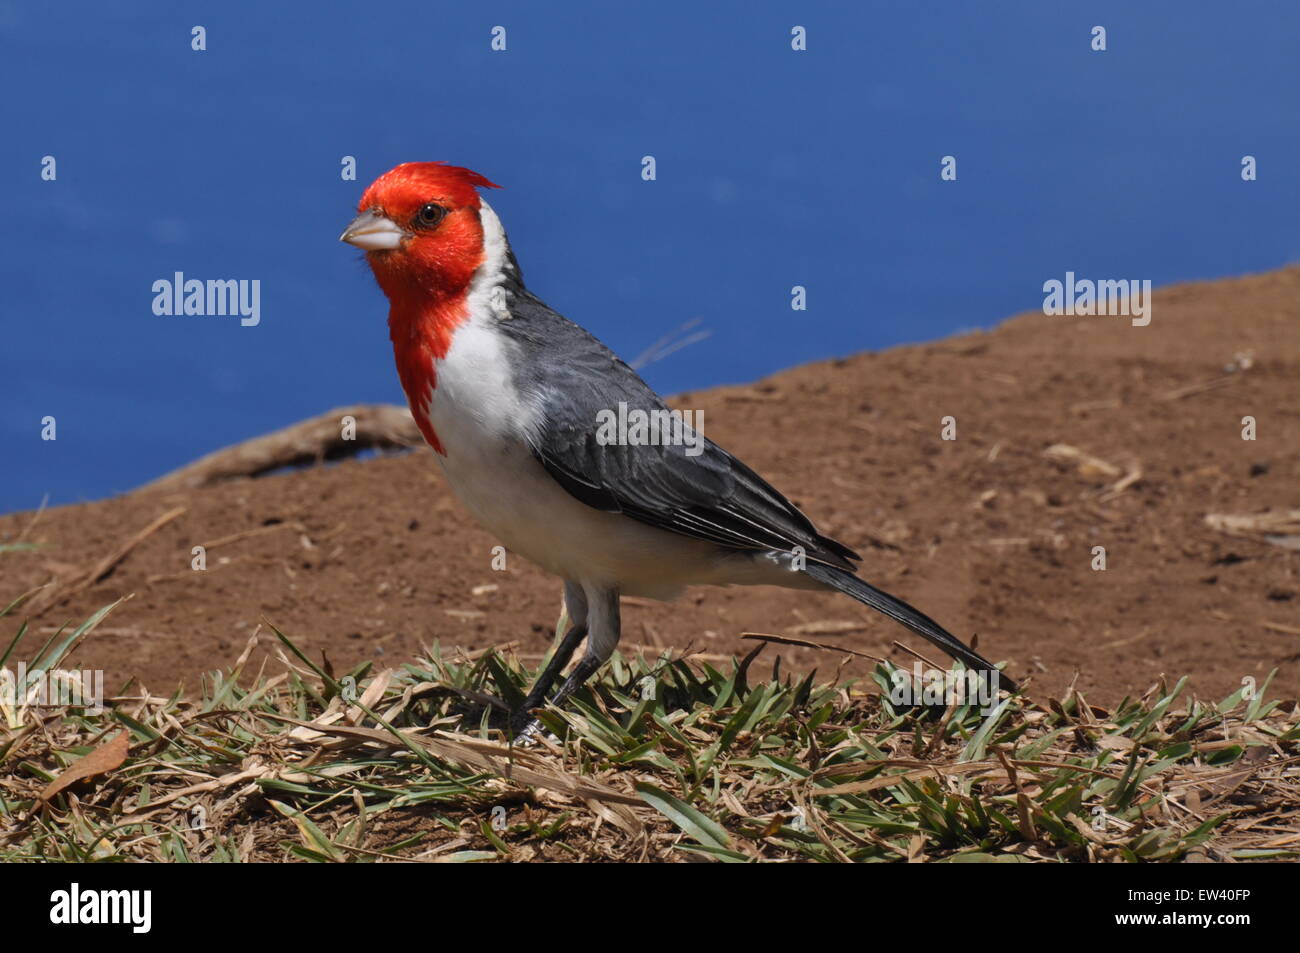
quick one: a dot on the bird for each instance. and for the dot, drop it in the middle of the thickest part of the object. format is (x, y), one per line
(509, 395)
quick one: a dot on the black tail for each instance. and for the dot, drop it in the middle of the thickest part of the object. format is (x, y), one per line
(900, 611)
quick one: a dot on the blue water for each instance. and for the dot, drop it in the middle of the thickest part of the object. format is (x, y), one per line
(775, 168)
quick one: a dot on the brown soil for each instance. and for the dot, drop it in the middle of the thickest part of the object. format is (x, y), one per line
(987, 533)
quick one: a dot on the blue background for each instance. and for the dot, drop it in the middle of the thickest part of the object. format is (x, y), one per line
(775, 168)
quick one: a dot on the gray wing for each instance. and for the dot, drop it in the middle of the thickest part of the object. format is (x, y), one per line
(710, 496)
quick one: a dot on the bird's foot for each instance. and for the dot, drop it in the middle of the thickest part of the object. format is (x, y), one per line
(524, 727)
(526, 736)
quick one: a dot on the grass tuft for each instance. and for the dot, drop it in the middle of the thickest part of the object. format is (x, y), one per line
(659, 759)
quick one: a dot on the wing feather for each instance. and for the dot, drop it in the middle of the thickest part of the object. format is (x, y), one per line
(571, 377)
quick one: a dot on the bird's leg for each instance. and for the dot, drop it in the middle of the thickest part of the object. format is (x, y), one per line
(575, 607)
(604, 634)
(577, 678)
(536, 696)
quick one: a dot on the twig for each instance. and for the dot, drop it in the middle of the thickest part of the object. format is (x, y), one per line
(94, 574)
(1191, 389)
(786, 640)
(674, 340)
(378, 426)
(35, 519)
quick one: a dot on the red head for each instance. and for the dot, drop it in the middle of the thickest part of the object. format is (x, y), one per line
(419, 224)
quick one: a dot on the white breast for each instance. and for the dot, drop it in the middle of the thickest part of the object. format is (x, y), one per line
(483, 424)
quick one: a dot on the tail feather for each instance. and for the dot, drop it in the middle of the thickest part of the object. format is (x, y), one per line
(900, 611)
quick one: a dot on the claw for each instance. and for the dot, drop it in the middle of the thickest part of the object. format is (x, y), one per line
(528, 735)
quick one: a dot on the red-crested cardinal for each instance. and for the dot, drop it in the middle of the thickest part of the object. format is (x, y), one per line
(508, 393)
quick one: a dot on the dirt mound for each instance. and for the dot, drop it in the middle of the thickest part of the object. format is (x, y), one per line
(1071, 433)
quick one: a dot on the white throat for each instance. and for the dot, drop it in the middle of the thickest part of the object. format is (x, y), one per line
(486, 291)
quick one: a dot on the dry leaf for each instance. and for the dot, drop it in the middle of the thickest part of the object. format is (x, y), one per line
(107, 757)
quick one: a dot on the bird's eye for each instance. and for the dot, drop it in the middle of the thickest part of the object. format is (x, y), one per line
(430, 215)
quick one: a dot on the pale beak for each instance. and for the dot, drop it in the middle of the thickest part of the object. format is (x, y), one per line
(372, 231)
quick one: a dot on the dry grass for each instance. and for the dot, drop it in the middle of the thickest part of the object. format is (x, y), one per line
(710, 765)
